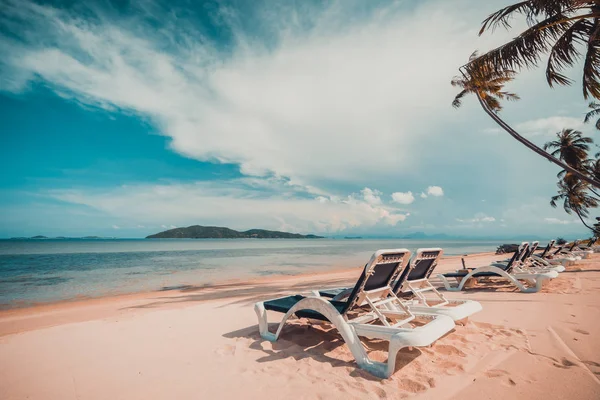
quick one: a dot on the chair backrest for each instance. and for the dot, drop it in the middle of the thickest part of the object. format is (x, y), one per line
(420, 267)
(558, 250)
(532, 249)
(523, 252)
(383, 267)
(517, 256)
(547, 249)
(575, 243)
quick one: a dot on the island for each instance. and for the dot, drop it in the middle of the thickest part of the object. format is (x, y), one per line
(217, 232)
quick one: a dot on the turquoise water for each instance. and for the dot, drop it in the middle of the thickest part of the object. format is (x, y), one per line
(33, 271)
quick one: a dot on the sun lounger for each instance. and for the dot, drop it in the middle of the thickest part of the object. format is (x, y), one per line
(534, 280)
(528, 262)
(581, 250)
(559, 256)
(591, 246)
(382, 316)
(414, 280)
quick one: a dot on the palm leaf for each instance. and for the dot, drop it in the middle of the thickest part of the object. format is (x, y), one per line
(591, 65)
(564, 52)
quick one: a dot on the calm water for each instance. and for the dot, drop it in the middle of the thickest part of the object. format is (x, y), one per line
(34, 271)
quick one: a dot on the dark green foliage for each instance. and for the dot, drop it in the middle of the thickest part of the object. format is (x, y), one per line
(216, 232)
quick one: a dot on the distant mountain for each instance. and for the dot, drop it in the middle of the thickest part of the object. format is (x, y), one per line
(423, 235)
(60, 238)
(216, 232)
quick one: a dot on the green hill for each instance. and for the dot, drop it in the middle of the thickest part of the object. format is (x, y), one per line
(217, 232)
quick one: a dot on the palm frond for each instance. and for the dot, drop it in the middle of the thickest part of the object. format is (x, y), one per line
(458, 99)
(532, 9)
(591, 65)
(592, 114)
(502, 17)
(564, 52)
(525, 50)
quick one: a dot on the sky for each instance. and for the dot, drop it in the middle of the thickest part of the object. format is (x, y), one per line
(123, 119)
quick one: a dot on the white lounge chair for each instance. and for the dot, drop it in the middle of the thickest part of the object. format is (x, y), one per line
(534, 280)
(529, 263)
(591, 246)
(580, 250)
(414, 279)
(558, 256)
(539, 262)
(383, 317)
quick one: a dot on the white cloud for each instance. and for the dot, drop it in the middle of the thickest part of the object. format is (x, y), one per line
(116, 227)
(548, 126)
(403, 198)
(236, 204)
(264, 103)
(557, 221)
(371, 196)
(308, 113)
(479, 217)
(435, 191)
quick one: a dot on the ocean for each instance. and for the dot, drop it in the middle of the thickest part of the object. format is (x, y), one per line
(38, 271)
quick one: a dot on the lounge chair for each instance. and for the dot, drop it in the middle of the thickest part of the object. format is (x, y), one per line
(413, 280)
(580, 250)
(383, 316)
(591, 246)
(539, 262)
(560, 255)
(534, 279)
(527, 262)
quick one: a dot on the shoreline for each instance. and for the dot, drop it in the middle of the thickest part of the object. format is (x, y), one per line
(7, 307)
(204, 342)
(34, 316)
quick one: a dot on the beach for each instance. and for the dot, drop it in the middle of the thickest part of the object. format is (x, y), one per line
(203, 342)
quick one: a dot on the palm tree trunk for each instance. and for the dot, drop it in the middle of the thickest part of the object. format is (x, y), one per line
(535, 148)
(583, 222)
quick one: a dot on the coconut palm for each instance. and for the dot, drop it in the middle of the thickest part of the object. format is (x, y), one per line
(571, 147)
(487, 84)
(559, 28)
(593, 114)
(574, 197)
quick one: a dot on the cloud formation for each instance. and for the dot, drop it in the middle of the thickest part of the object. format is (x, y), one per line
(403, 198)
(237, 204)
(435, 191)
(264, 107)
(311, 106)
(479, 217)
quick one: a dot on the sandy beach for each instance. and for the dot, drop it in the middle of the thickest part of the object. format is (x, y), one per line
(203, 342)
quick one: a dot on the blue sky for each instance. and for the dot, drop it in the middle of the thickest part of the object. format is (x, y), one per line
(327, 117)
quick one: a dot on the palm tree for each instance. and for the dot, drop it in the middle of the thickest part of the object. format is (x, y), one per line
(593, 114)
(487, 84)
(559, 28)
(571, 147)
(574, 196)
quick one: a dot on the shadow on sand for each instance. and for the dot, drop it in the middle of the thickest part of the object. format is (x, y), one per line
(321, 343)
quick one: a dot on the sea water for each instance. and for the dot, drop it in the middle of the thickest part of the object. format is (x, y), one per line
(34, 271)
